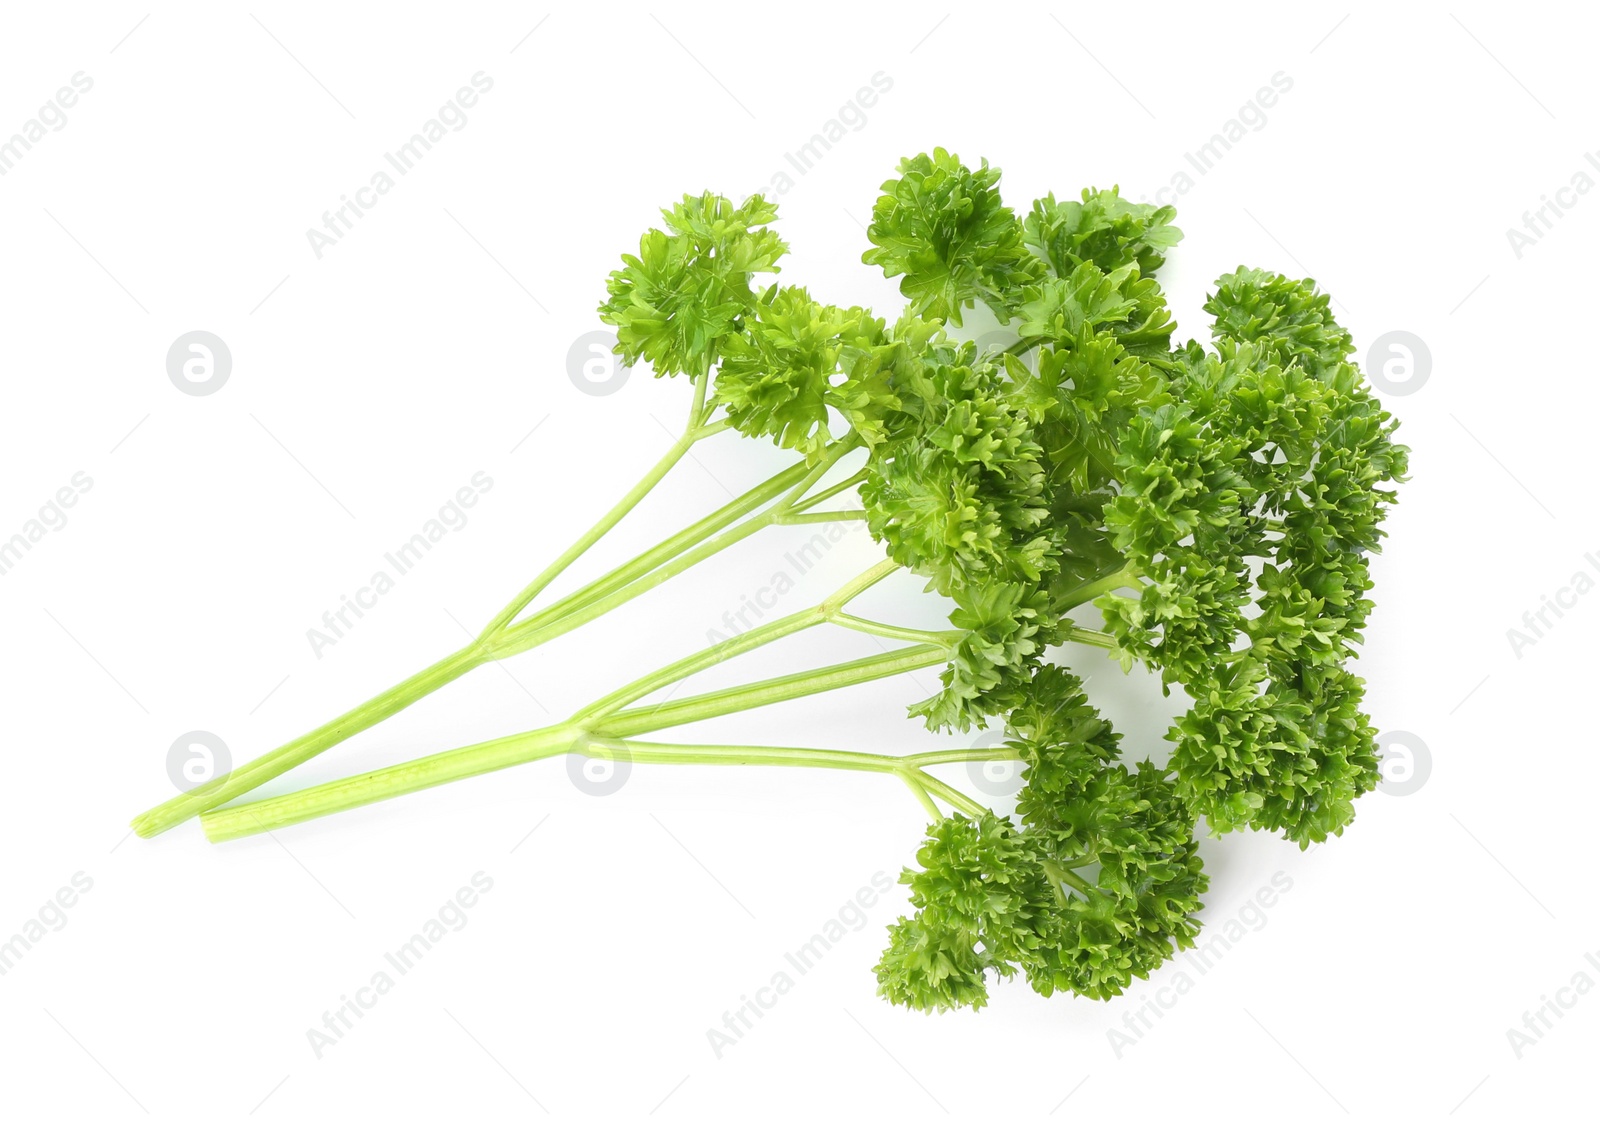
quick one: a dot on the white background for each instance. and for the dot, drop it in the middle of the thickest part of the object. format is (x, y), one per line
(370, 384)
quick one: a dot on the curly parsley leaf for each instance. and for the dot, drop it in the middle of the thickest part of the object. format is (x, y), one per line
(941, 229)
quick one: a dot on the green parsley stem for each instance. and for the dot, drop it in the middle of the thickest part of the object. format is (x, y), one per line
(1022, 345)
(702, 707)
(502, 638)
(1125, 577)
(823, 516)
(270, 765)
(599, 529)
(839, 487)
(259, 816)
(603, 719)
(1093, 638)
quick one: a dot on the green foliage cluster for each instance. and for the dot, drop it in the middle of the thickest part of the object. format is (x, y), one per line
(1207, 511)
(1216, 506)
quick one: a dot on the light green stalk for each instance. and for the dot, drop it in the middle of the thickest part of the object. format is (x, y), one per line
(505, 635)
(608, 723)
(260, 816)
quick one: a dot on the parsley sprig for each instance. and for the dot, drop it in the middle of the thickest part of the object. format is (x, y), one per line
(1206, 512)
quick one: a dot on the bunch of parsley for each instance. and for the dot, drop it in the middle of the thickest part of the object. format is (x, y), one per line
(1211, 512)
